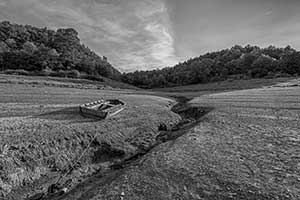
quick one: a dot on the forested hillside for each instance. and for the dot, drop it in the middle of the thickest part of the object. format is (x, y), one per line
(235, 63)
(28, 50)
(39, 51)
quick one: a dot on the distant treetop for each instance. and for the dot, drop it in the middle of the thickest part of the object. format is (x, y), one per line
(36, 49)
(234, 63)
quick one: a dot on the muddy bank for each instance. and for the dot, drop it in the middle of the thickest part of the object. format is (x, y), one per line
(50, 135)
(191, 115)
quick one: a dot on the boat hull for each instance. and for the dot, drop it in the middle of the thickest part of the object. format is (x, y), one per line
(102, 109)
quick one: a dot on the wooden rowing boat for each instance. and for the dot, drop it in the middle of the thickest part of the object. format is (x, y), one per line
(102, 108)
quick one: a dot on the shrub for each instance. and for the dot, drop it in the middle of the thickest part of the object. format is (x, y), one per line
(17, 72)
(92, 77)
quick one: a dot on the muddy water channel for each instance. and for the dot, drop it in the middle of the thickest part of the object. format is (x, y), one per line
(190, 117)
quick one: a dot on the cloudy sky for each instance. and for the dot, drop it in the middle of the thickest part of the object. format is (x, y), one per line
(149, 34)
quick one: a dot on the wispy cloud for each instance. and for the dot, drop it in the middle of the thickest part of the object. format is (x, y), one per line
(162, 50)
(210, 25)
(2, 2)
(133, 34)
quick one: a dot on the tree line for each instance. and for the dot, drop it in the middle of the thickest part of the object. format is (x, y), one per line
(29, 50)
(40, 51)
(235, 63)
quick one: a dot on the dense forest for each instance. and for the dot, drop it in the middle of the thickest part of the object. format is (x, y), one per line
(28, 50)
(235, 63)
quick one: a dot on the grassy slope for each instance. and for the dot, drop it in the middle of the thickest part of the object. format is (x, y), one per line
(241, 150)
(196, 90)
(41, 131)
(64, 82)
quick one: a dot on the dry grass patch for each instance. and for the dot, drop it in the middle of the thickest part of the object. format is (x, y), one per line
(42, 132)
(241, 150)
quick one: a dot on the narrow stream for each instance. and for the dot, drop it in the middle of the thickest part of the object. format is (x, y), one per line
(191, 116)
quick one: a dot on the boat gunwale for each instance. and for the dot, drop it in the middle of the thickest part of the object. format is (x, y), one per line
(87, 111)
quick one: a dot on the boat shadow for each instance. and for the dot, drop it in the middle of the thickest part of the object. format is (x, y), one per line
(70, 114)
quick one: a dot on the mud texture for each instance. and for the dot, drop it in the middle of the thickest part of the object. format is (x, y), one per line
(191, 115)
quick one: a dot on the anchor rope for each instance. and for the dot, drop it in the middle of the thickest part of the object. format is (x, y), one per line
(84, 152)
(79, 158)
